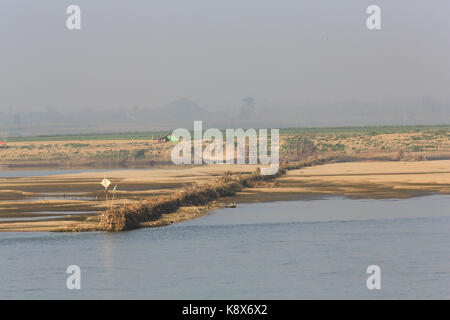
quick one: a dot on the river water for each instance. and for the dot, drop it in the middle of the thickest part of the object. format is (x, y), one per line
(309, 249)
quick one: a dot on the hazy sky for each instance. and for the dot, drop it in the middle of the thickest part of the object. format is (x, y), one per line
(216, 52)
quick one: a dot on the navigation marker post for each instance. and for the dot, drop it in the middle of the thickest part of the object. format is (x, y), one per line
(105, 183)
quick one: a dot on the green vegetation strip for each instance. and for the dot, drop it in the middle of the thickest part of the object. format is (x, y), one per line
(370, 130)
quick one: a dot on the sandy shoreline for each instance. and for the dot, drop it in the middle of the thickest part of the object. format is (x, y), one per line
(368, 179)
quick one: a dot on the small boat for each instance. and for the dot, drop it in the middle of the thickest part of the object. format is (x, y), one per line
(230, 205)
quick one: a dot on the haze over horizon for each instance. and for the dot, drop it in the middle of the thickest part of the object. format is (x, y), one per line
(157, 65)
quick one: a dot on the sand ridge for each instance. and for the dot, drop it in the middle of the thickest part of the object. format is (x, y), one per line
(367, 179)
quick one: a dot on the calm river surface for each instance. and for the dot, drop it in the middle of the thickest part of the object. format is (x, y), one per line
(282, 250)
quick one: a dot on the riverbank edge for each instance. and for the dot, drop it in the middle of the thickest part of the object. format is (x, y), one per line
(191, 202)
(198, 199)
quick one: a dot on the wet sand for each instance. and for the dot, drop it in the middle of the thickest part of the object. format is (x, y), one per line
(369, 179)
